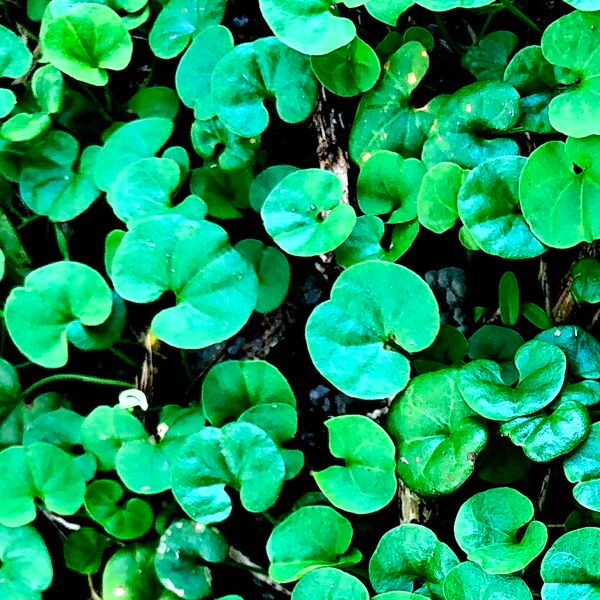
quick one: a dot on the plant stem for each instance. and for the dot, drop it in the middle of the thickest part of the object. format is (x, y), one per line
(76, 377)
(61, 240)
(119, 354)
(510, 7)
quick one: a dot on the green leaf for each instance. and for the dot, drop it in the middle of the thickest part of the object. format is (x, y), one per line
(106, 429)
(586, 280)
(182, 552)
(437, 198)
(156, 101)
(39, 314)
(254, 72)
(388, 11)
(536, 315)
(444, 5)
(8, 101)
(329, 583)
(488, 205)
(487, 60)
(239, 455)
(583, 468)
(367, 482)
(385, 119)
(411, 555)
(584, 4)
(118, 152)
(349, 70)
(509, 296)
(487, 529)
(570, 568)
(195, 69)
(273, 271)
(580, 347)
(305, 214)
(26, 567)
(366, 242)
(310, 538)
(15, 57)
(48, 87)
(466, 121)
(468, 581)
(584, 392)
(23, 127)
(214, 142)
(123, 520)
(549, 434)
(449, 349)
(502, 463)
(266, 181)
(557, 190)
(570, 43)
(541, 370)
(144, 465)
(355, 345)
(388, 185)
(84, 40)
(144, 189)
(438, 436)
(180, 21)
(215, 288)
(83, 550)
(308, 26)
(38, 471)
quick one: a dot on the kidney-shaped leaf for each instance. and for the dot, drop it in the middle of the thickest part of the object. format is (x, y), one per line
(376, 309)
(439, 437)
(215, 288)
(488, 205)
(541, 375)
(260, 70)
(83, 40)
(183, 551)
(39, 314)
(330, 583)
(487, 529)
(309, 538)
(570, 568)
(583, 468)
(305, 215)
(367, 482)
(239, 455)
(411, 555)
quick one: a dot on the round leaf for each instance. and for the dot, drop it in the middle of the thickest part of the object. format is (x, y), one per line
(583, 468)
(329, 583)
(586, 280)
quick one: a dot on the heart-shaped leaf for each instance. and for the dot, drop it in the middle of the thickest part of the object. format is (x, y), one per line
(541, 370)
(438, 436)
(265, 69)
(180, 21)
(487, 526)
(557, 189)
(487, 60)
(570, 568)
(39, 314)
(310, 538)
(367, 482)
(488, 205)
(305, 214)
(549, 434)
(355, 345)
(349, 70)
(385, 119)
(43, 471)
(239, 455)
(83, 550)
(465, 121)
(26, 569)
(266, 181)
(309, 26)
(388, 185)
(330, 583)
(155, 101)
(570, 43)
(83, 40)
(123, 520)
(583, 468)
(468, 581)
(215, 288)
(182, 552)
(411, 555)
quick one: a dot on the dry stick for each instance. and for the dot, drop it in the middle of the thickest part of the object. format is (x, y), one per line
(256, 571)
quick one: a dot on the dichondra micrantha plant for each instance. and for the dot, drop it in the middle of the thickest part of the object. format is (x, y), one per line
(301, 299)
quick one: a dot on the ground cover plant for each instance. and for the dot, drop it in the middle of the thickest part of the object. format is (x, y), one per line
(300, 299)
